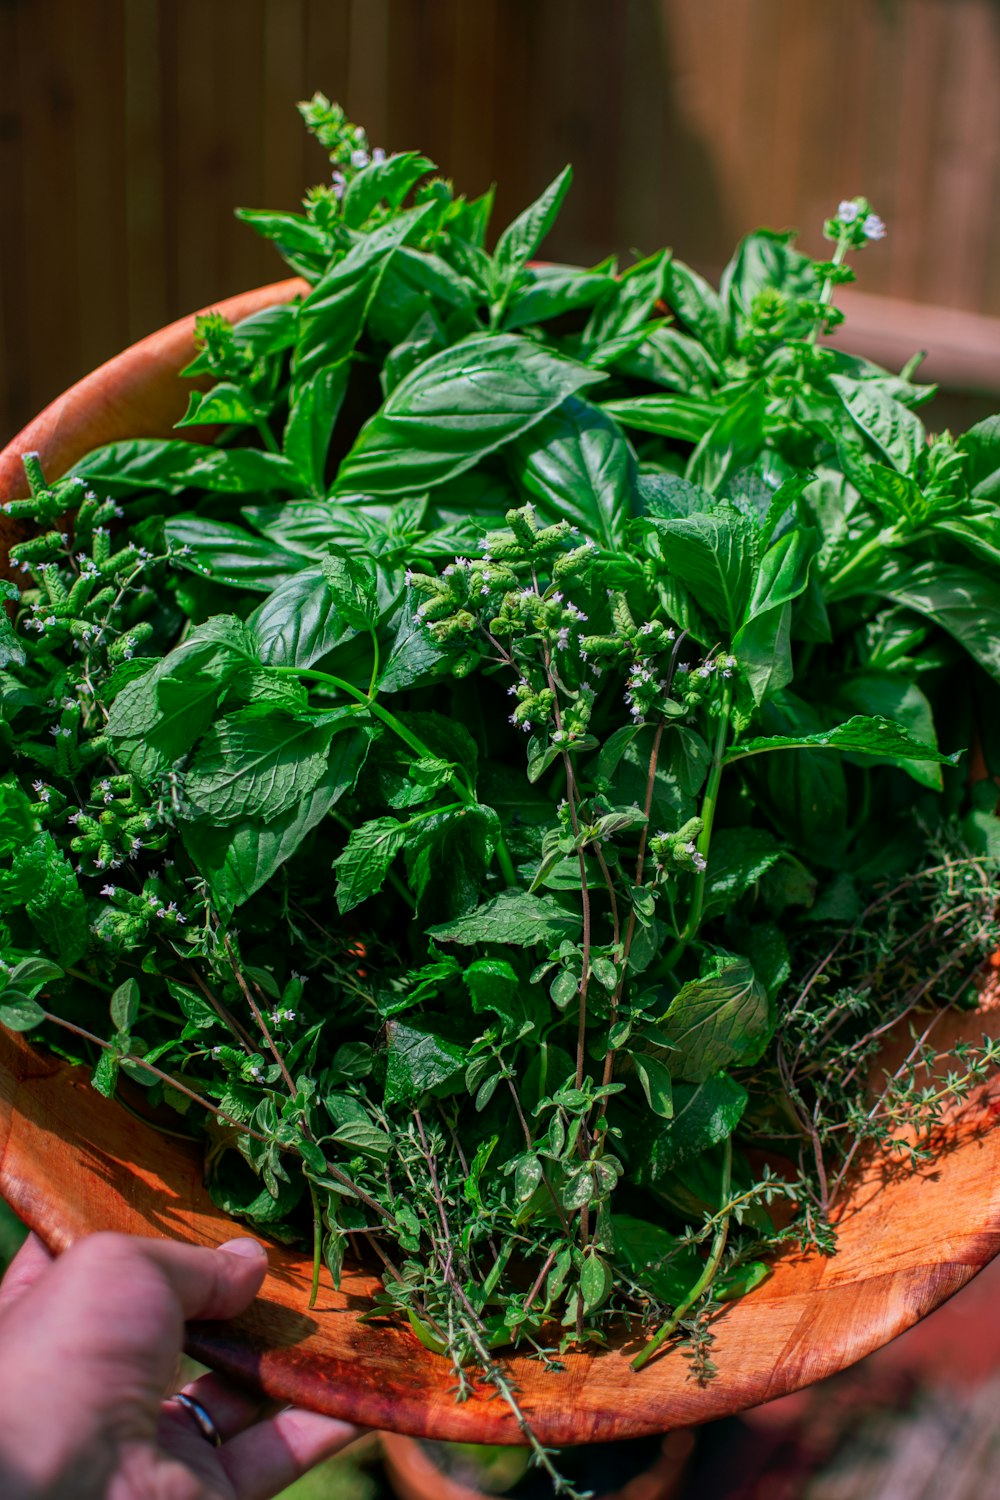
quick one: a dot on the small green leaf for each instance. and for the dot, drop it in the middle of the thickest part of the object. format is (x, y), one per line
(125, 1005)
(657, 1084)
(596, 1281)
(364, 864)
(18, 1013)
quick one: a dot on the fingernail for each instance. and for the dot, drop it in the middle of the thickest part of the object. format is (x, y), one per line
(249, 1249)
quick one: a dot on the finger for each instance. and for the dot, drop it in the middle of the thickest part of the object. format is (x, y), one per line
(24, 1270)
(101, 1330)
(231, 1409)
(266, 1459)
(205, 1283)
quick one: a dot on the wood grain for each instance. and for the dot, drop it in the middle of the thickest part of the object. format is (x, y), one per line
(130, 129)
(72, 1162)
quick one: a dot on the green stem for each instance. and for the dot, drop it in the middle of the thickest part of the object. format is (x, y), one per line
(317, 1244)
(375, 665)
(707, 1275)
(708, 807)
(267, 436)
(826, 291)
(418, 747)
(95, 984)
(860, 557)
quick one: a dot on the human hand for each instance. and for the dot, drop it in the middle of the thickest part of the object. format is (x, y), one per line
(89, 1345)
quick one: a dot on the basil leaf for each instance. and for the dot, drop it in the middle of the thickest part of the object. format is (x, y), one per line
(580, 469)
(224, 403)
(314, 409)
(172, 465)
(549, 291)
(670, 416)
(229, 554)
(386, 181)
(894, 430)
(520, 240)
(299, 622)
(334, 313)
(453, 410)
(699, 306)
(862, 735)
(964, 603)
(892, 696)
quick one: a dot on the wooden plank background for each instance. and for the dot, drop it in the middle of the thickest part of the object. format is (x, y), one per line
(129, 129)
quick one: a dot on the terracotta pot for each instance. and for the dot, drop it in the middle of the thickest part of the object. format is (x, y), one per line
(414, 1475)
(72, 1162)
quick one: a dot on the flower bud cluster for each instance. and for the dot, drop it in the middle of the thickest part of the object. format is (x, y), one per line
(679, 850)
(118, 826)
(127, 917)
(70, 751)
(854, 224)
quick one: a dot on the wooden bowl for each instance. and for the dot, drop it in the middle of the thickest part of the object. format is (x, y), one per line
(72, 1162)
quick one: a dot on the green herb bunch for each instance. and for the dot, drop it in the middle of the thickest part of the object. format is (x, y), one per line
(450, 777)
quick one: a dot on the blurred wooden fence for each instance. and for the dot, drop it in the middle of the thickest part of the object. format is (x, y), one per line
(129, 129)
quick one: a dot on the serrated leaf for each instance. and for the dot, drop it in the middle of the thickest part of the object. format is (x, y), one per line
(254, 765)
(364, 864)
(720, 1020)
(513, 917)
(237, 859)
(420, 1060)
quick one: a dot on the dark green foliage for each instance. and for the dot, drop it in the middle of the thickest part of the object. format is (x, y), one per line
(448, 779)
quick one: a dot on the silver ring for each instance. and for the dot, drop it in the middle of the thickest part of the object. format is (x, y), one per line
(203, 1421)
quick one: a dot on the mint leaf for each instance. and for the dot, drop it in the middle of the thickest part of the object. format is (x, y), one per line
(364, 864)
(513, 917)
(43, 881)
(717, 1021)
(420, 1060)
(256, 763)
(238, 859)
